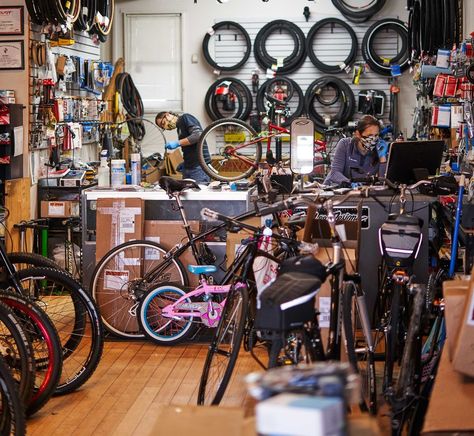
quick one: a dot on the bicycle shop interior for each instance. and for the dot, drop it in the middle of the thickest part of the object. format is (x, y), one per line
(237, 217)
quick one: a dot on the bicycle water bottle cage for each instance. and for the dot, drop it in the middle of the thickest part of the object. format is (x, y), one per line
(400, 238)
(173, 186)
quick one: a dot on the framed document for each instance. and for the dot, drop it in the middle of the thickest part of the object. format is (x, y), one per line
(12, 56)
(11, 20)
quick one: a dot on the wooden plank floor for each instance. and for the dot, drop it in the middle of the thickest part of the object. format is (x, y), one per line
(132, 381)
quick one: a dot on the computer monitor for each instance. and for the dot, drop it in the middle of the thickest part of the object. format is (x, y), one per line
(410, 161)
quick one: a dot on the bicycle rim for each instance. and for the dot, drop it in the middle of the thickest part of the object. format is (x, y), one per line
(17, 352)
(158, 328)
(234, 153)
(224, 349)
(75, 318)
(46, 348)
(116, 284)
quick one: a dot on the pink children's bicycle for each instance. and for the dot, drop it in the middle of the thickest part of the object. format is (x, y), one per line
(168, 314)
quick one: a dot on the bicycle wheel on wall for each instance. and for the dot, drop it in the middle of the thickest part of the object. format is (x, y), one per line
(122, 278)
(76, 318)
(224, 349)
(234, 147)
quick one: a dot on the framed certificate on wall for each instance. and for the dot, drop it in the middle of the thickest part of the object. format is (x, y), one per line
(12, 56)
(11, 20)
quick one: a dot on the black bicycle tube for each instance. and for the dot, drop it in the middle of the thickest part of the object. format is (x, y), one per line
(331, 69)
(207, 38)
(358, 15)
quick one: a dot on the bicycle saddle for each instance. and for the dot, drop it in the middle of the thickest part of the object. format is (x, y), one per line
(173, 186)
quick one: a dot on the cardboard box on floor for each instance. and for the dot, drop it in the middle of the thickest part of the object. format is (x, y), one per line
(170, 233)
(118, 220)
(463, 357)
(454, 293)
(451, 404)
(200, 421)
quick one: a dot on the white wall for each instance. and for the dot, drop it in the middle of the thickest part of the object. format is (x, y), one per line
(197, 18)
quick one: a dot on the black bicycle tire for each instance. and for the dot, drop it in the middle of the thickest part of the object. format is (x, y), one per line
(210, 105)
(25, 361)
(32, 259)
(392, 336)
(260, 99)
(183, 337)
(410, 358)
(108, 256)
(35, 12)
(358, 16)
(348, 310)
(202, 141)
(89, 316)
(242, 92)
(212, 350)
(321, 66)
(367, 42)
(205, 46)
(347, 107)
(15, 423)
(292, 62)
(53, 360)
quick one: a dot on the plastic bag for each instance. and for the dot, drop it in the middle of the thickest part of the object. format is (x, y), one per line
(264, 269)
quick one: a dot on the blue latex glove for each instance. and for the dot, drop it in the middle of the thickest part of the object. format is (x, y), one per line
(172, 145)
(382, 148)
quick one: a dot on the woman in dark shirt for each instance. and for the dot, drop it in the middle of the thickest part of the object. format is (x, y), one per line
(363, 154)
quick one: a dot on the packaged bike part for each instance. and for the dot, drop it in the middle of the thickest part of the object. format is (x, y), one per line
(288, 302)
(327, 379)
(371, 101)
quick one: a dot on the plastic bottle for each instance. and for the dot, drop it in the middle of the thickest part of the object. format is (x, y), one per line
(103, 173)
(118, 172)
(135, 165)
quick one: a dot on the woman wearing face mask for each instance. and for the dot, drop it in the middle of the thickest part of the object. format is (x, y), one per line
(363, 154)
(189, 131)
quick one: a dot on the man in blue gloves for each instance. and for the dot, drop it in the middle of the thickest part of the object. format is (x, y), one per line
(189, 132)
(365, 154)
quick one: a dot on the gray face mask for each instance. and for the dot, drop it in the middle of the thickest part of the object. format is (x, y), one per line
(369, 142)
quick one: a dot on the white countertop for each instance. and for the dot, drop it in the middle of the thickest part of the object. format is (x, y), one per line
(159, 194)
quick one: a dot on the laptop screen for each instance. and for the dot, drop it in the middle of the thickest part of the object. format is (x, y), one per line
(410, 161)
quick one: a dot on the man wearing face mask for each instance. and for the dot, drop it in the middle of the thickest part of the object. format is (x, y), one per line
(189, 131)
(363, 154)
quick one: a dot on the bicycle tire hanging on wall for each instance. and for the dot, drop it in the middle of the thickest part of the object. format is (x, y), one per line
(289, 63)
(313, 33)
(227, 25)
(297, 95)
(236, 102)
(335, 109)
(380, 64)
(53, 11)
(358, 14)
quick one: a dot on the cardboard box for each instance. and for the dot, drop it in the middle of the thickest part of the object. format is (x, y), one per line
(455, 293)
(170, 233)
(451, 404)
(199, 421)
(300, 415)
(59, 209)
(118, 220)
(463, 357)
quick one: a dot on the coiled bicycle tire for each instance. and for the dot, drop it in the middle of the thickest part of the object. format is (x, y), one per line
(207, 39)
(290, 63)
(325, 68)
(345, 97)
(378, 64)
(133, 104)
(297, 92)
(242, 93)
(357, 14)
